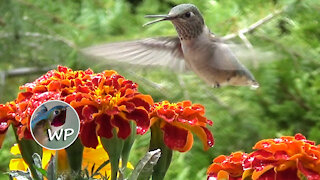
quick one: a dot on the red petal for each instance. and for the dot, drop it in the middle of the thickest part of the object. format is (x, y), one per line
(62, 69)
(129, 106)
(166, 114)
(139, 102)
(174, 137)
(309, 174)
(88, 134)
(3, 127)
(289, 174)
(105, 127)
(88, 71)
(269, 175)
(281, 155)
(299, 137)
(83, 89)
(141, 117)
(210, 140)
(88, 111)
(123, 125)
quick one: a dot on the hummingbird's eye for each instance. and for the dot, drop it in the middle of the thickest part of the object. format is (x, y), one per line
(188, 14)
(56, 112)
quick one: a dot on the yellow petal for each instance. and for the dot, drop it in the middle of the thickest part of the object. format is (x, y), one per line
(18, 164)
(15, 149)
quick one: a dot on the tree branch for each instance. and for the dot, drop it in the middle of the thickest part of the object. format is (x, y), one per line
(24, 71)
(253, 26)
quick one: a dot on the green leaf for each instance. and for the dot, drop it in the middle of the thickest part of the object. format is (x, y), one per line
(38, 165)
(113, 147)
(28, 148)
(74, 154)
(100, 167)
(51, 171)
(20, 175)
(145, 166)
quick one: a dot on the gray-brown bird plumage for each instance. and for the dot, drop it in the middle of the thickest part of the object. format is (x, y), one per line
(195, 48)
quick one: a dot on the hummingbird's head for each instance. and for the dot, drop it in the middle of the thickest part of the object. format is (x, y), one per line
(186, 18)
(58, 115)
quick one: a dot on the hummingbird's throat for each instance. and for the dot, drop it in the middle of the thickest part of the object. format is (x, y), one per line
(187, 31)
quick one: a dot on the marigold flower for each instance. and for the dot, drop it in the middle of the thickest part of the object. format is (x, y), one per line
(288, 157)
(20, 164)
(7, 116)
(103, 101)
(284, 158)
(178, 120)
(227, 167)
(91, 157)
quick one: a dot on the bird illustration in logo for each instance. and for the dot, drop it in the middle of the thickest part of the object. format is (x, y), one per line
(47, 119)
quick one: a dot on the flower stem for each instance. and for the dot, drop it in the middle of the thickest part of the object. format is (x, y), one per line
(113, 147)
(27, 149)
(156, 142)
(127, 146)
(74, 154)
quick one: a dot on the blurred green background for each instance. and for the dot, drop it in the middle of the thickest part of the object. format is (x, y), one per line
(285, 60)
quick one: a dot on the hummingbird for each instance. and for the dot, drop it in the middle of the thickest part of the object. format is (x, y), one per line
(195, 48)
(45, 119)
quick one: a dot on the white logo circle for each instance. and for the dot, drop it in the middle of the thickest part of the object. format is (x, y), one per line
(55, 125)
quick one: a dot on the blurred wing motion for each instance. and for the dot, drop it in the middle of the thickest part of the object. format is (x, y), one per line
(235, 72)
(162, 51)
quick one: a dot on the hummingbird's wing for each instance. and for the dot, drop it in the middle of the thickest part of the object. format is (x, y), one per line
(161, 51)
(39, 116)
(224, 60)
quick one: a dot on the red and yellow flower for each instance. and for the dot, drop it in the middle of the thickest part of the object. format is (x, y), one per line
(227, 167)
(288, 157)
(178, 121)
(7, 116)
(91, 157)
(103, 101)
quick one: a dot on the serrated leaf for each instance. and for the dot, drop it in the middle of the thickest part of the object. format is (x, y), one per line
(20, 175)
(51, 172)
(145, 166)
(37, 165)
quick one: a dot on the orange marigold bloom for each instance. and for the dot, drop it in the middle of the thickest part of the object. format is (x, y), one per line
(227, 167)
(178, 120)
(7, 116)
(284, 158)
(103, 101)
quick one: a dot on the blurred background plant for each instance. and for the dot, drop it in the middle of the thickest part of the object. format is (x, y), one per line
(38, 35)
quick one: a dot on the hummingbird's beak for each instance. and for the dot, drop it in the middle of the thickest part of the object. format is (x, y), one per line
(163, 18)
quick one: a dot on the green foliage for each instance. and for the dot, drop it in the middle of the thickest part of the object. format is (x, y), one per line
(44, 33)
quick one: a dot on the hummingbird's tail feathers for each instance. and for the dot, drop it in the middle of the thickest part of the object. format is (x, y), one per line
(162, 51)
